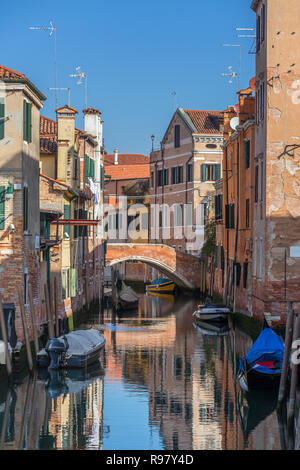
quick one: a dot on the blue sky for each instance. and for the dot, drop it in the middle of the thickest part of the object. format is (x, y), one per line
(135, 53)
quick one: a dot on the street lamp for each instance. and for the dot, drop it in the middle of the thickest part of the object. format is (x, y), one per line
(152, 138)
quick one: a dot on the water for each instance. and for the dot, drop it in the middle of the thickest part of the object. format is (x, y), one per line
(161, 383)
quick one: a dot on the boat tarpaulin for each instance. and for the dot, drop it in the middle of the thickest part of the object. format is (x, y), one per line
(268, 345)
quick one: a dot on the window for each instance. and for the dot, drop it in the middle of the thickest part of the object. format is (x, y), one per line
(247, 213)
(152, 179)
(263, 23)
(144, 221)
(189, 172)
(188, 215)
(166, 176)
(2, 207)
(25, 208)
(27, 121)
(67, 214)
(89, 168)
(102, 176)
(75, 169)
(211, 172)
(229, 216)
(222, 258)
(159, 177)
(245, 275)
(258, 33)
(219, 207)
(237, 273)
(64, 286)
(177, 136)
(2, 118)
(262, 181)
(177, 175)
(247, 154)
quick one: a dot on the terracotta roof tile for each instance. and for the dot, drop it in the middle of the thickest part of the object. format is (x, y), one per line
(126, 159)
(206, 122)
(126, 172)
(9, 74)
(48, 135)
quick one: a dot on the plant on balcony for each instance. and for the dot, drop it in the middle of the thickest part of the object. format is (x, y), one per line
(210, 238)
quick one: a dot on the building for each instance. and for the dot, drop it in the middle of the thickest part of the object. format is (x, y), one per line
(234, 258)
(276, 218)
(183, 172)
(20, 105)
(127, 206)
(71, 182)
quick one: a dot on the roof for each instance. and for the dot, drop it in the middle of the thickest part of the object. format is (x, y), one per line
(9, 75)
(65, 109)
(206, 122)
(48, 135)
(92, 111)
(126, 159)
(128, 172)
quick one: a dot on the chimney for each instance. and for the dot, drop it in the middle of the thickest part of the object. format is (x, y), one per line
(65, 142)
(116, 157)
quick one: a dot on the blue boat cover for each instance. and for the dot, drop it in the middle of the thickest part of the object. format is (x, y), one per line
(268, 346)
(160, 281)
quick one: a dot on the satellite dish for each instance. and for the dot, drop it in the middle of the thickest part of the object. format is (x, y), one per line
(234, 123)
(252, 83)
(237, 108)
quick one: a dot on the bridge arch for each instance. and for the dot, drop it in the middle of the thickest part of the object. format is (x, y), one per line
(182, 268)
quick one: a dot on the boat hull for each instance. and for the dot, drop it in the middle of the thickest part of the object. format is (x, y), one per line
(74, 360)
(211, 316)
(166, 287)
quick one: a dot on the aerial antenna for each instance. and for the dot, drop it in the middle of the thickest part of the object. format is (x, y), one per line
(252, 49)
(240, 65)
(231, 74)
(52, 31)
(63, 89)
(174, 94)
(80, 75)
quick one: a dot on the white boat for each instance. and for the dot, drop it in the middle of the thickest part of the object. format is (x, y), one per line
(212, 312)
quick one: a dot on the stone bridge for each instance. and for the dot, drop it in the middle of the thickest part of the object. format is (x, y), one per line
(182, 268)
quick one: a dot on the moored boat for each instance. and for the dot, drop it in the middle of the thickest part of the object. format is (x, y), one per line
(212, 312)
(262, 366)
(128, 300)
(212, 328)
(161, 285)
(74, 350)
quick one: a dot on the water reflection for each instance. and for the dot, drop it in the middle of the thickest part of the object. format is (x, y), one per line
(164, 383)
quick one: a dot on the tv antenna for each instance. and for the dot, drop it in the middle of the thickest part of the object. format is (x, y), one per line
(63, 89)
(174, 94)
(52, 31)
(252, 49)
(231, 74)
(240, 65)
(80, 75)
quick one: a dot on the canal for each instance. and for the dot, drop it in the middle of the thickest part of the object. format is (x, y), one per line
(162, 383)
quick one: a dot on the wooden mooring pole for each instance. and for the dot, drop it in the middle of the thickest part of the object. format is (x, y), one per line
(287, 348)
(5, 339)
(25, 330)
(49, 313)
(33, 320)
(55, 291)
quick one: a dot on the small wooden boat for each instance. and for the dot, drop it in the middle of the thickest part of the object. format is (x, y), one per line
(128, 300)
(262, 366)
(161, 285)
(212, 312)
(76, 349)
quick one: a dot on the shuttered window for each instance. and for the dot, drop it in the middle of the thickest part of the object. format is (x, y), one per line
(72, 282)
(67, 214)
(210, 172)
(25, 208)
(189, 172)
(216, 256)
(177, 136)
(63, 284)
(86, 168)
(27, 121)
(2, 207)
(102, 177)
(247, 154)
(2, 117)
(92, 168)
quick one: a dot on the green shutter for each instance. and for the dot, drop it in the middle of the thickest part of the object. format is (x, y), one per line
(25, 208)
(2, 116)
(86, 168)
(2, 207)
(24, 121)
(63, 284)
(216, 256)
(28, 114)
(92, 168)
(67, 213)
(72, 282)
(102, 177)
(203, 172)
(218, 172)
